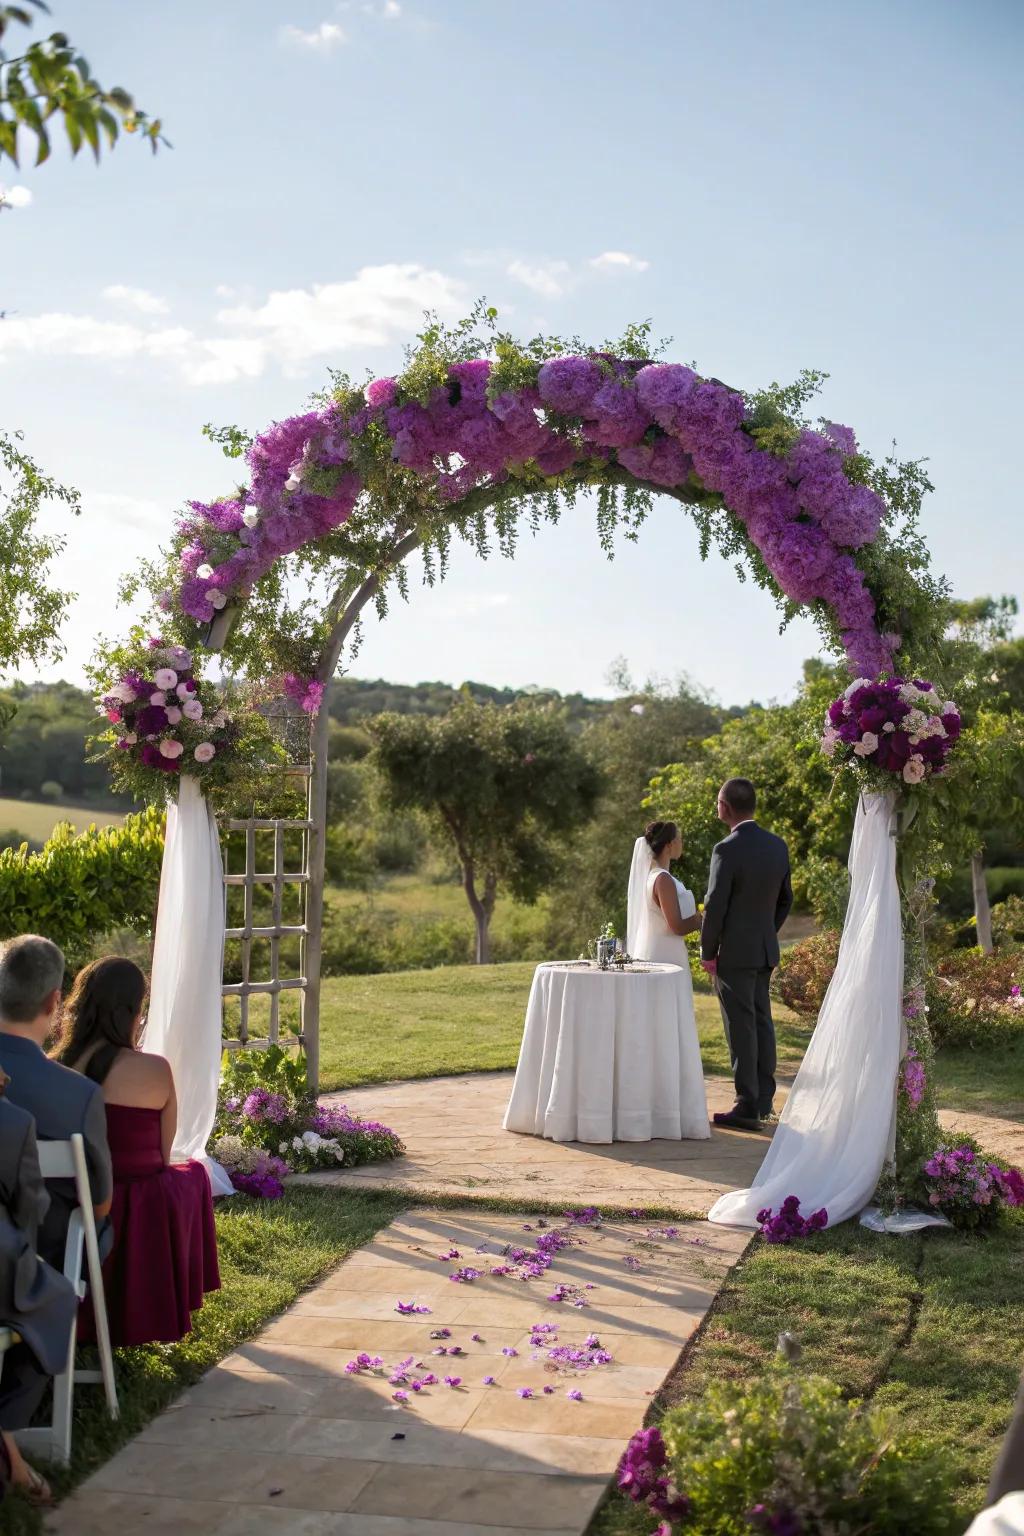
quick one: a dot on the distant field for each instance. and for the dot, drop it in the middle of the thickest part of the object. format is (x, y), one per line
(36, 821)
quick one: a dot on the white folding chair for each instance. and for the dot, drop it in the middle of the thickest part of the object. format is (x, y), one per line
(66, 1160)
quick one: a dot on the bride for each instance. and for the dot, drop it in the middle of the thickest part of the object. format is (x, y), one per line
(660, 913)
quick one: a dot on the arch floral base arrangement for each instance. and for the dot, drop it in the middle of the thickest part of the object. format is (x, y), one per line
(479, 433)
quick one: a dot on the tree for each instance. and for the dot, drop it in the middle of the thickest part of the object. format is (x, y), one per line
(984, 798)
(50, 79)
(501, 788)
(798, 795)
(645, 727)
(31, 607)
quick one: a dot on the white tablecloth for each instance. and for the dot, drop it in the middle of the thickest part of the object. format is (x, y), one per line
(609, 1056)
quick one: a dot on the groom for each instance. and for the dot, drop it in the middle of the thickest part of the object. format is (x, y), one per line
(748, 900)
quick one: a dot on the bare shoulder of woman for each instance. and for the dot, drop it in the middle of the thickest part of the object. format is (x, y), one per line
(138, 1077)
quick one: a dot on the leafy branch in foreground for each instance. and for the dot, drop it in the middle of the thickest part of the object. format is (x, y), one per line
(51, 79)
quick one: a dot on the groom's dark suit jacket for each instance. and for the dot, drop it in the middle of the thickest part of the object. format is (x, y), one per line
(748, 900)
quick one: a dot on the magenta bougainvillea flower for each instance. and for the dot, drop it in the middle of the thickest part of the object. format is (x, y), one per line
(801, 502)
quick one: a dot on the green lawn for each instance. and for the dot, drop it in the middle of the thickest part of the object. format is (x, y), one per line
(462, 1019)
(930, 1326)
(36, 821)
(987, 1082)
(470, 1019)
(269, 1252)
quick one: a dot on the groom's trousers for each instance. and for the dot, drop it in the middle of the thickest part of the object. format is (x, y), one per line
(745, 1000)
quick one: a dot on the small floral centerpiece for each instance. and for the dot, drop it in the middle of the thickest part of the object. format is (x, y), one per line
(268, 1125)
(891, 729)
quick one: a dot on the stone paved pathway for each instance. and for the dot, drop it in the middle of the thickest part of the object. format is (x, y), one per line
(278, 1439)
(455, 1145)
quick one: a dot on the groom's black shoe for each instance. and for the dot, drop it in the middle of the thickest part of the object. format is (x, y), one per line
(737, 1119)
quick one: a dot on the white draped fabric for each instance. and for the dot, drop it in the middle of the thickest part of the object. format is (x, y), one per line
(609, 1057)
(836, 1130)
(184, 1020)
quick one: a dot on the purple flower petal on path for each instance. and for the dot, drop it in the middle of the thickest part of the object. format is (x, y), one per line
(400, 1397)
(574, 1395)
(524, 1391)
(488, 1381)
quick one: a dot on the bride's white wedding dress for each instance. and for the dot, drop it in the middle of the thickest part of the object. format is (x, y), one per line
(649, 937)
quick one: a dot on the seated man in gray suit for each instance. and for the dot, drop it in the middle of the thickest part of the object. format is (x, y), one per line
(748, 900)
(60, 1101)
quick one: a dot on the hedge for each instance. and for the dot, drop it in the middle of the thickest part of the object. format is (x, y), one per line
(83, 886)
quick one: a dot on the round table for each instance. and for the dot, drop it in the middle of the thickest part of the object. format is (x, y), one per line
(609, 1056)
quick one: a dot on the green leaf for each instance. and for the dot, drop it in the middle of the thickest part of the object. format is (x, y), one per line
(74, 132)
(8, 140)
(90, 129)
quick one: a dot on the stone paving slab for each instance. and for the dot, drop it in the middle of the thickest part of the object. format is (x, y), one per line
(455, 1144)
(279, 1439)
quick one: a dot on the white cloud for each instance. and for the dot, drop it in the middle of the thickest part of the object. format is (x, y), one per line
(618, 261)
(292, 328)
(377, 306)
(225, 291)
(322, 39)
(548, 278)
(553, 278)
(136, 298)
(131, 511)
(15, 197)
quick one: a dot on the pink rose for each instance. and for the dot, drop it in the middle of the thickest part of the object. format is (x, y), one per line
(171, 748)
(216, 598)
(181, 691)
(867, 744)
(205, 752)
(173, 715)
(159, 698)
(165, 677)
(914, 770)
(193, 709)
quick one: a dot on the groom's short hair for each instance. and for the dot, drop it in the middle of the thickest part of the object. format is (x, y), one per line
(740, 796)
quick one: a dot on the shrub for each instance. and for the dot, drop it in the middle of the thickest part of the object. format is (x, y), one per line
(786, 1455)
(970, 999)
(1008, 921)
(805, 971)
(79, 888)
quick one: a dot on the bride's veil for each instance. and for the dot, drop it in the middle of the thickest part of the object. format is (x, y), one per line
(636, 900)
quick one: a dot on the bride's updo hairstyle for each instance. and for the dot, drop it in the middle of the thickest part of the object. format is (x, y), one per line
(659, 834)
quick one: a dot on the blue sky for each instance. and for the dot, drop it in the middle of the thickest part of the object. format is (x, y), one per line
(776, 186)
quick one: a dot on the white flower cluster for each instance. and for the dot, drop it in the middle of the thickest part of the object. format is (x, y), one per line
(233, 1154)
(315, 1148)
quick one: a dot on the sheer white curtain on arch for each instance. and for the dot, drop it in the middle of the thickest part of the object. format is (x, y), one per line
(838, 1125)
(184, 1019)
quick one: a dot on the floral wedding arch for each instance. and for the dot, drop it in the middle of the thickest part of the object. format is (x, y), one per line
(476, 436)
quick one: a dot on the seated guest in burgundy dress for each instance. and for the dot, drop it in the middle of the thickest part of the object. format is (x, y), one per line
(165, 1245)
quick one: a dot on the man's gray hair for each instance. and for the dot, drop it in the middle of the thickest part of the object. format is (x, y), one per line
(30, 969)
